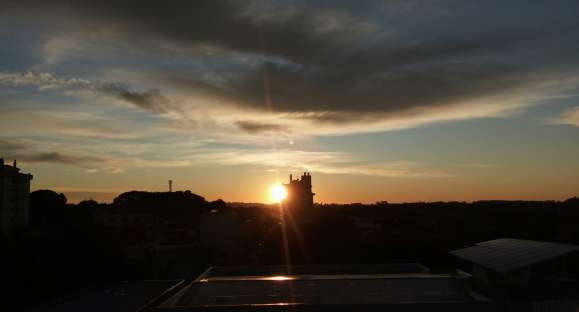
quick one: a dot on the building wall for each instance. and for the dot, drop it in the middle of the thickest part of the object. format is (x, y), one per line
(14, 198)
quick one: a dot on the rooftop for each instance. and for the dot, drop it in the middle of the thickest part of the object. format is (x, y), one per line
(124, 296)
(216, 288)
(507, 254)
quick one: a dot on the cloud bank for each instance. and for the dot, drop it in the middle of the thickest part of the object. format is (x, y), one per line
(336, 69)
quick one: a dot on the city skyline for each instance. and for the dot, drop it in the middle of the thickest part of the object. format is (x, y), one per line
(395, 101)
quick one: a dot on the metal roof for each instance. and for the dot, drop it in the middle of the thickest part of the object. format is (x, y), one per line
(322, 290)
(506, 254)
(319, 288)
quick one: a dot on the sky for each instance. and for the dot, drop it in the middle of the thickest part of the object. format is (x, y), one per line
(380, 100)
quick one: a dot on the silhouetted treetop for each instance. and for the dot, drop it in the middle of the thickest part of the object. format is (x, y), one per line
(46, 207)
(166, 204)
(88, 204)
(48, 197)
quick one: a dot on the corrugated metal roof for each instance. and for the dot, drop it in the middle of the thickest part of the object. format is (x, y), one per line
(507, 254)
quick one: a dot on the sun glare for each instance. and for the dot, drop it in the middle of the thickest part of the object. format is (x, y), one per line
(279, 278)
(278, 193)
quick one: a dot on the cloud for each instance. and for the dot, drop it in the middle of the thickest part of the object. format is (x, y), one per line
(403, 170)
(568, 117)
(150, 100)
(364, 93)
(28, 151)
(114, 158)
(59, 158)
(11, 146)
(93, 162)
(257, 127)
(306, 68)
(318, 162)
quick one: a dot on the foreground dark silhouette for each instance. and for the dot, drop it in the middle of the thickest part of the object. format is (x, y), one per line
(144, 235)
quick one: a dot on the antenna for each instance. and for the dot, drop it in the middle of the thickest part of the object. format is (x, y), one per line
(170, 185)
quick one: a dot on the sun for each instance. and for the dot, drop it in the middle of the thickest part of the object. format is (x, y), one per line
(278, 193)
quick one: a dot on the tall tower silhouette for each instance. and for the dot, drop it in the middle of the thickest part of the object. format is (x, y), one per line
(299, 193)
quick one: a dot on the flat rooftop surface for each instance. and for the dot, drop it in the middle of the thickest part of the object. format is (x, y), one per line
(122, 297)
(264, 270)
(322, 290)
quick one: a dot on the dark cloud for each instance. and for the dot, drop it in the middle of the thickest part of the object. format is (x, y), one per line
(329, 93)
(16, 149)
(257, 127)
(330, 90)
(307, 34)
(59, 158)
(151, 100)
(10, 146)
(341, 62)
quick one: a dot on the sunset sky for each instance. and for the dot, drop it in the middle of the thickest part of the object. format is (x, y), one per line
(381, 100)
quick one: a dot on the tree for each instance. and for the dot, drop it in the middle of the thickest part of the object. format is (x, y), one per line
(47, 207)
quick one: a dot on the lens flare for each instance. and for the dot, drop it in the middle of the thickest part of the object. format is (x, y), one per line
(278, 193)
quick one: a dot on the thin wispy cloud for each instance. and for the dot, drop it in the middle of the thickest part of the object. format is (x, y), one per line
(322, 162)
(569, 117)
(282, 159)
(151, 100)
(33, 152)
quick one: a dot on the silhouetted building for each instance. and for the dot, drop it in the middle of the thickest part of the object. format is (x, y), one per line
(521, 269)
(384, 287)
(299, 192)
(14, 197)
